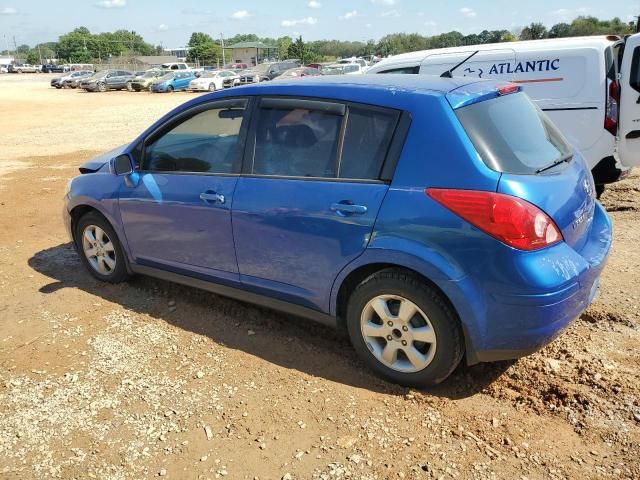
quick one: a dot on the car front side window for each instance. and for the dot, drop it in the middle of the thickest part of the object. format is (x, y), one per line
(207, 142)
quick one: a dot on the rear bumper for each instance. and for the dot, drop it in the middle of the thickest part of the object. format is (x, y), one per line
(514, 324)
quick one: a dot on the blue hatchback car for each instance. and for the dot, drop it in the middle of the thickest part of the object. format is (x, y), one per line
(432, 219)
(172, 82)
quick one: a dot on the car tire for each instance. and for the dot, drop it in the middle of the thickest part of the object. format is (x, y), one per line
(129, 87)
(102, 87)
(418, 349)
(100, 249)
(19, 71)
(212, 87)
(170, 89)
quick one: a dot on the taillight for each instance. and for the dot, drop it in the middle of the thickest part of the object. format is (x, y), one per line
(509, 219)
(611, 108)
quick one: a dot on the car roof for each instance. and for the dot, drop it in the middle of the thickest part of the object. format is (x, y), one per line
(395, 83)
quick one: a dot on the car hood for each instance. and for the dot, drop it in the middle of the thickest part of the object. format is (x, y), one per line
(97, 163)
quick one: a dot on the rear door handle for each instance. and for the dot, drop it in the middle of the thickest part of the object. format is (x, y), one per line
(212, 197)
(348, 209)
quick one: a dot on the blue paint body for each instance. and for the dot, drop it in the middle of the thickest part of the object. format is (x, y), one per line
(280, 238)
(177, 84)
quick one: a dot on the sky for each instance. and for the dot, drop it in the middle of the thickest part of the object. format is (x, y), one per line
(170, 23)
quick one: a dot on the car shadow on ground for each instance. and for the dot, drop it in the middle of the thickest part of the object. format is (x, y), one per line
(281, 339)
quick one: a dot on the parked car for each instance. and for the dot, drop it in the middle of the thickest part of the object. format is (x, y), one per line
(236, 66)
(343, 69)
(52, 68)
(432, 219)
(298, 72)
(144, 81)
(354, 60)
(22, 68)
(574, 80)
(175, 66)
(172, 82)
(74, 78)
(4, 69)
(107, 80)
(215, 80)
(265, 71)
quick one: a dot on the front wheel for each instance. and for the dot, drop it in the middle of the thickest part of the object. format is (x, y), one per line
(100, 249)
(102, 87)
(403, 329)
(212, 87)
(170, 89)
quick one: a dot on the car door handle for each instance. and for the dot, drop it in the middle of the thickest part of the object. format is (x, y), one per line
(348, 209)
(212, 197)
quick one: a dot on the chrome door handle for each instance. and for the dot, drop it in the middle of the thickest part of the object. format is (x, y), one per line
(212, 197)
(347, 208)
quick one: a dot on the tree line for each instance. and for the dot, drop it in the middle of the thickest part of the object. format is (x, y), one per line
(82, 46)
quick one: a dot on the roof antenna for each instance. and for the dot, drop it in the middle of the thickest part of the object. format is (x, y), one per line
(449, 73)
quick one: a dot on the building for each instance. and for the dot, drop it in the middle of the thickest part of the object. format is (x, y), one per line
(180, 52)
(251, 53)
(6, 60)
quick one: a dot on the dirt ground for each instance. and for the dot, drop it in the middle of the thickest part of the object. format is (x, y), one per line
(149, 379)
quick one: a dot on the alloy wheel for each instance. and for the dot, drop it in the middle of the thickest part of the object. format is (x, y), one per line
(398, 333)
(99, 250)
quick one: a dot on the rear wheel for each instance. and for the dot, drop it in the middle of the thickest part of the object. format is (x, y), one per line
(102, 87)
(403, 329)
(100, 249)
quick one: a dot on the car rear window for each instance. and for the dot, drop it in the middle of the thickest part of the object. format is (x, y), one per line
(512, 135)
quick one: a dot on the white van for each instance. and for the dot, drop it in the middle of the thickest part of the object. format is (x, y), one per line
(588, 86)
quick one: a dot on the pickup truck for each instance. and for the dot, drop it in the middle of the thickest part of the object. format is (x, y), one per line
(23, 68)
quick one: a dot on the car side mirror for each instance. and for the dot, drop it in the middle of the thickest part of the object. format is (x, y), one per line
(122, 165)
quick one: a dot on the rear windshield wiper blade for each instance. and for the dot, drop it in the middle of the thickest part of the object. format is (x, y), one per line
(565, 158)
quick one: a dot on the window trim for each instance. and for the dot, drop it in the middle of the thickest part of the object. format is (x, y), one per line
(389, 163)
(235, 102)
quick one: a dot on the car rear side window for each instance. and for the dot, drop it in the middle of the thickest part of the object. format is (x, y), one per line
(296, 142)
(366, 142)
(512, 135)
(207, 142)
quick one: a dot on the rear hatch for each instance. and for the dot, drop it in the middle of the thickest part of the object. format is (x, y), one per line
(514, 137)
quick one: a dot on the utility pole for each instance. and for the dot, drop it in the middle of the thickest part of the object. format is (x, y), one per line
(224, 62)
(40, 54)
(638, 24)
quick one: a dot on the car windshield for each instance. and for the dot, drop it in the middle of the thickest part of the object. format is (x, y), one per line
(167, 76)
(150, 74)
(100, 74)
(512, 135)
(209, 74)
(333, 70)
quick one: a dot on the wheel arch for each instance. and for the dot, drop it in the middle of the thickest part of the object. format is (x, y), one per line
(81, 209)
(458, 293)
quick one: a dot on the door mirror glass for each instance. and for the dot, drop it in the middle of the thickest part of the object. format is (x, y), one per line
(122, 165)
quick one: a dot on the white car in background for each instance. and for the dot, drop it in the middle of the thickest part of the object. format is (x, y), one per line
(3, 69)
(214, 80)
(343, 69)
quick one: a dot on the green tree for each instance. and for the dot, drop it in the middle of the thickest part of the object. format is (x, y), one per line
(283, 44)
(203, 49)
(32, 57)
(534, 31)
(560, 30)
(301, 51)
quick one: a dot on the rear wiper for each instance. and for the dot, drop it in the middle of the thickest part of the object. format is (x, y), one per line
(565, 158)
(449, 73)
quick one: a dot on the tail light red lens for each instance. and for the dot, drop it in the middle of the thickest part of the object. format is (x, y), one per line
(611, 110)
(509, 219)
